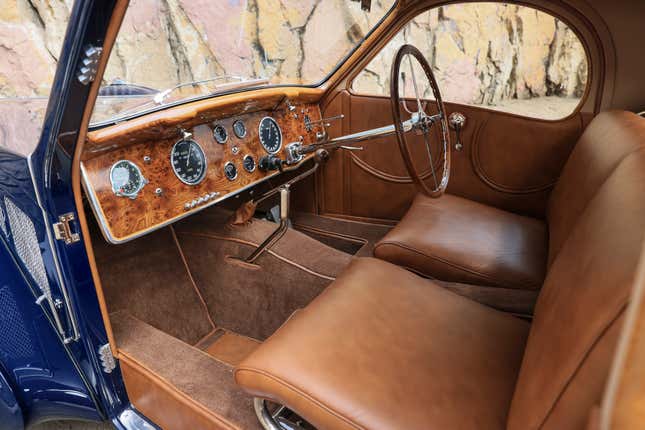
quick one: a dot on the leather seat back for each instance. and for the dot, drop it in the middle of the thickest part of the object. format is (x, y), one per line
(580, 309)
(608, 139)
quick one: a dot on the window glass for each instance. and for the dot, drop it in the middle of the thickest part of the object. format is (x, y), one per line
(228, 44)
(31, 36)
(495, 55)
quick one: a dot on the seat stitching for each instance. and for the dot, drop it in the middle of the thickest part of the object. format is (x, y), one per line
(451, 264)
(301, 393)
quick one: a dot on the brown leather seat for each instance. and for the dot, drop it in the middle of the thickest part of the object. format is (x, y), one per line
(457, 240)
(385, 349)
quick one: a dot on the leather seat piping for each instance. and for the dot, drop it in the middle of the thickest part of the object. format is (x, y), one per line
(451, 264)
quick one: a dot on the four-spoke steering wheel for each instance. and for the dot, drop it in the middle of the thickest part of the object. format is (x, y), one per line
(420, 122)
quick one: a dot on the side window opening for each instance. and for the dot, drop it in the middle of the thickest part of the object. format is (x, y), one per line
(495, 55)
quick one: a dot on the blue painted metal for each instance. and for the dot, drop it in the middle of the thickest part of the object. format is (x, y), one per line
(10, 411)
(49, 353)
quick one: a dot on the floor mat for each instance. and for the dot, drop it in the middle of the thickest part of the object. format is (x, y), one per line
(189, 370)
(254, 300)
(355, 237)
(148, 278)
(227, 346)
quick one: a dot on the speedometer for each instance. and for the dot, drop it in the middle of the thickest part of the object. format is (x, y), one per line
(188, 161)
(270, 135)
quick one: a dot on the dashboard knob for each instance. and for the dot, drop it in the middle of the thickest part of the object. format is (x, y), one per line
(270, 162)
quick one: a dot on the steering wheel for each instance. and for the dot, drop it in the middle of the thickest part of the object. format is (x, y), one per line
(420, 122)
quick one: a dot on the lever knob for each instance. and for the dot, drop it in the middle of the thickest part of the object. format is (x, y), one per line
(270, 162)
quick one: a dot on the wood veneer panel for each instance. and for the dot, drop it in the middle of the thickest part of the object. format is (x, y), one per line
(122, 219)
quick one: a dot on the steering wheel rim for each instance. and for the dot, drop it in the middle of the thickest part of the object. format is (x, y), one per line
(425, 123)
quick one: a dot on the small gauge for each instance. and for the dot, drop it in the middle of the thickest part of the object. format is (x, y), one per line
(248, 162)
(220, 134)
(239, 129)
(270, 135)
(230, 171)
(126, 179)
(188, 161)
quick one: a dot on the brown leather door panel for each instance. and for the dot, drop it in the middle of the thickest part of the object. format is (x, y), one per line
(507, 161)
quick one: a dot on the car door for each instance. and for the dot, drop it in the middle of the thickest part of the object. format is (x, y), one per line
(519, 76)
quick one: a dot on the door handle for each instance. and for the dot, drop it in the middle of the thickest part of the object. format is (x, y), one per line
(457, 121)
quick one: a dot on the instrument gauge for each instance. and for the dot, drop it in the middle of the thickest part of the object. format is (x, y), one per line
(126, 179)
(220, 134)
(188, 161)
(239, 129)
(230, 171)
(270, 135)
(248, 162)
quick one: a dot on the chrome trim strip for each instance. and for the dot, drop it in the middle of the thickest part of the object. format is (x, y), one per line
(59, 273)
(98, 213)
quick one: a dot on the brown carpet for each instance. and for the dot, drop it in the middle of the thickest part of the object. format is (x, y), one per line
(354, 237)
(254, 300)
(193, 372)
(147, 278)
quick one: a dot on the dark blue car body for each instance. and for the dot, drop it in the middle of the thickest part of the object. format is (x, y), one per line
(51, 327)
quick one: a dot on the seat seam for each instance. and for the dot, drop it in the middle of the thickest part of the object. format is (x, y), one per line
(300, 392)
(582, 360)
(451, 264)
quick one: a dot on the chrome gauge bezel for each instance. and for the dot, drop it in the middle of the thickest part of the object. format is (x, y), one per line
(260, 134)
(133, 195)
(235, 131)
(237, 172)
(172, 164)
(255, 164)
(221, 142)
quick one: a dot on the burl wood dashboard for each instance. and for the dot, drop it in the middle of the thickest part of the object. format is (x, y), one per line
(147, 143)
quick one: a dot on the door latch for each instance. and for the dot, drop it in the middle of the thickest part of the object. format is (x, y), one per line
(63, 230)
(457, 121)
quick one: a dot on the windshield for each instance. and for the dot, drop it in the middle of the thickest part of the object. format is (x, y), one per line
(224, 45)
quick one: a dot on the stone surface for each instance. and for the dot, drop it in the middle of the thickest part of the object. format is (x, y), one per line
(489, 53)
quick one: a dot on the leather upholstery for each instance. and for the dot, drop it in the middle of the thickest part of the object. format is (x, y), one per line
(385, 349)
(608, 139)
(586, 290)
(458, 240)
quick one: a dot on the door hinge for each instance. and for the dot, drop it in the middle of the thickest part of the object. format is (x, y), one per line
(89, 64)
(107, 359)
(63, 230)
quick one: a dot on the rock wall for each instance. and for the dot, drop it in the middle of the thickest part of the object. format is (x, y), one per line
(482, 53)
(486, 53)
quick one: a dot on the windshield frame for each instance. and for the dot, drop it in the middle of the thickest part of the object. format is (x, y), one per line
(123, 118)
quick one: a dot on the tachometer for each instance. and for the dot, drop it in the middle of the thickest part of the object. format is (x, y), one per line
(126, 179)
(270, 135)
(188, 161)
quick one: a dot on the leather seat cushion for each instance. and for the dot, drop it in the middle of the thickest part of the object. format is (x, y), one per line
(382, 348)
(459, 240)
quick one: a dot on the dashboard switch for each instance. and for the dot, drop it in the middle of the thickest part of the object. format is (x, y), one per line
(270, 162)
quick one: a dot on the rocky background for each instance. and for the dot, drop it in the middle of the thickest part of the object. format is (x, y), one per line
(503, 56)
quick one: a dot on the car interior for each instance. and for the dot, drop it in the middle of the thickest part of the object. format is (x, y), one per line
(295, 258)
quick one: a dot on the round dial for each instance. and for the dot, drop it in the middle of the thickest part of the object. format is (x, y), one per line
(270, 135)
(248, 162)
(220, 134)
(188, 161)
(239, 129)
(126, 179)
(230, 171)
